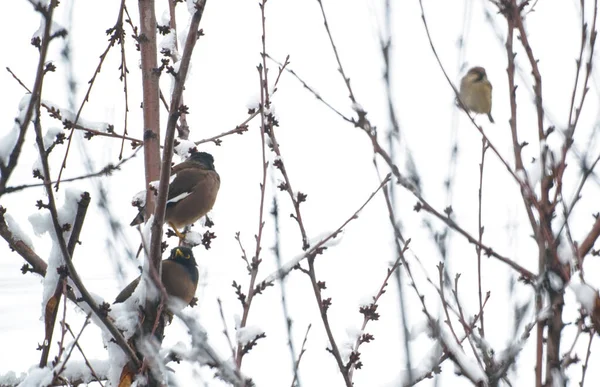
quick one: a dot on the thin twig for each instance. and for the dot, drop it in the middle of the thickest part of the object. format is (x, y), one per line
(7, 170)
(106, 171)
(225, 330)
(480, 229)
(117, 34)
(256, 260)
(297, 363)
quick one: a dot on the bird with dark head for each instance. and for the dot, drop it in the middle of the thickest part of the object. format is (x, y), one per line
(476, 92)
(179, 277)
(192, 192)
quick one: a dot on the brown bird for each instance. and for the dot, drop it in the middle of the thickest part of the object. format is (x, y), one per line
(179, 277)
(192, 193)
(476, 92)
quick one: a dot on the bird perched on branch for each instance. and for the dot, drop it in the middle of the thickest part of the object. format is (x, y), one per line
(179, 277)
(476, 92)
(192, 192)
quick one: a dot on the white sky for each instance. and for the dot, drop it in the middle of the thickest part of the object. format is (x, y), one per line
(326, 158)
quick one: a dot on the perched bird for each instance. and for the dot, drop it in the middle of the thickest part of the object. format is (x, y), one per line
(192, 192)
(476, 92)
(179, 277)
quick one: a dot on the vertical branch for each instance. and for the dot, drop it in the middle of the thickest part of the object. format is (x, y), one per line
(510, 54)
(296, 380)
(390, 193)
(183, 129)
(256, 260)
(151, 101)
(511, 12)
(123, 77)
(284, 303)
(480, 229)
(152, 321)
(174, 112)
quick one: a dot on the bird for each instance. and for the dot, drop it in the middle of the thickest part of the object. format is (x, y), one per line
(476, 92)
(192, 192)
(179, 277)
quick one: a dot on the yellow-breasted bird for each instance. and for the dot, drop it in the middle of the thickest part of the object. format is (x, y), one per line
(179, 277)
(192, 192)
(476, 92)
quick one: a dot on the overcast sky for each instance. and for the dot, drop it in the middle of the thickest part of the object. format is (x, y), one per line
(327, 158)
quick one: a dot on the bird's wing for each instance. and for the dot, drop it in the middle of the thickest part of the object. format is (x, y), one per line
(128, 291)
(184, 183)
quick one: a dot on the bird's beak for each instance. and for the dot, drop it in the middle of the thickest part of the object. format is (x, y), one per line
(179, 253)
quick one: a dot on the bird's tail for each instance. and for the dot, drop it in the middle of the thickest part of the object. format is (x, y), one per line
(139, 218)
(490, 117)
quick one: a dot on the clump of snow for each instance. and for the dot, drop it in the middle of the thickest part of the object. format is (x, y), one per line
(53, 29)
(237, 320)
(8, 142)
(154, 185)
(556, 283)
(23, 104)
(78, 370)
(42, 223)
(179, 349)
(418, 328)
(467, 365)
(191, 6)
(287, 267)
(139, 199)
(38, 377)
(564, 252)
(50, 136)
(176, 66)
(16, 230)
(423, 368)
(66, 114)
(271, 110)
(558, 378)
(169, 42)
(534, 171)
(165, 18)
(358, 108)
(184, 148)
(10, 378)
(55, 260)
(125, 315)
(247, 334)
(345, 349)
(521, 175)
(586, 295)
(253, 102)
(193, 238)
(353, 333)
(117, 359)
(202, 352)
(66, 214)
(176, 305)
(366, 300)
